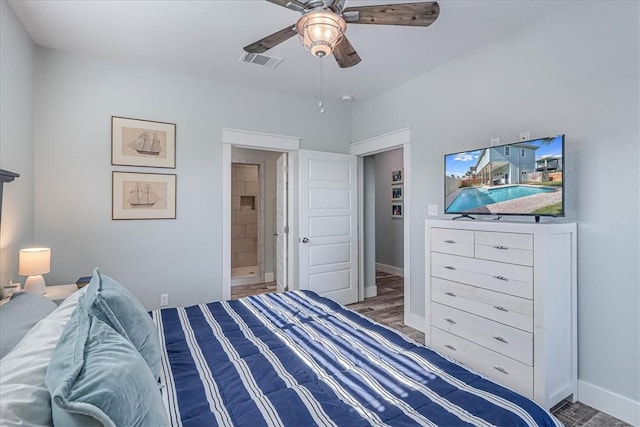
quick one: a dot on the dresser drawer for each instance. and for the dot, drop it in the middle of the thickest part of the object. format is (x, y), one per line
(456, 242)
(513, 248)
(503, 339)
(503, 308)
(497, 367)
(506, 278)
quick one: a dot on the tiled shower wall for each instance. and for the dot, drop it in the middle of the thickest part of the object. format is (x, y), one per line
(246, 203)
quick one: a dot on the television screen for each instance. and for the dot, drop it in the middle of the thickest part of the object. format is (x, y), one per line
(522, 178)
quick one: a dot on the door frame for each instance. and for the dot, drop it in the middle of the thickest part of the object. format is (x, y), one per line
(268, 142)
(400, 138)
(281, 218)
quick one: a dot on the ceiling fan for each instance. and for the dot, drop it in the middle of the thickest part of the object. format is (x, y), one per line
(324, 22)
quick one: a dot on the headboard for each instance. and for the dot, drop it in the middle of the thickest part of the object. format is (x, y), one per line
(5, 176)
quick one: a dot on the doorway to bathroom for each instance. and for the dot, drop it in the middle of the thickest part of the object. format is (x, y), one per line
(258, 221)
(247, 222)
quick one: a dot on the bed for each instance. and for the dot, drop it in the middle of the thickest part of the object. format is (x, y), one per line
(290, 359)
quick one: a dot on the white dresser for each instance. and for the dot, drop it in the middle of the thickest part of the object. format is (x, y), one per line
(501, 299)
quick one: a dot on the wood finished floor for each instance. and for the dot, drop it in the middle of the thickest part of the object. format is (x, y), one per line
(388, 308)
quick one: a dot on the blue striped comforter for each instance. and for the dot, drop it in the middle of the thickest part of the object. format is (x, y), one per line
(297, 359)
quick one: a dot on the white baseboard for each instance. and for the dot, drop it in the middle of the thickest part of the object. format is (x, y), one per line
(269, 277)
(415, 321)
(370, 291)
(396, 271)
(606, 401)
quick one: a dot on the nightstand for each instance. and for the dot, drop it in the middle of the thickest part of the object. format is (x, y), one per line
(57, 293)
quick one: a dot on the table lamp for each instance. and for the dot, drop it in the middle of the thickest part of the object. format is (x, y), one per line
(34, 262)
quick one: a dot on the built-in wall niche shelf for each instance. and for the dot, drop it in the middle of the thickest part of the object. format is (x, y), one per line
(247, 202)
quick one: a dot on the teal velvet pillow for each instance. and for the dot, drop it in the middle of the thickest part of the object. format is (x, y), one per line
(112, 303)
(97, 377)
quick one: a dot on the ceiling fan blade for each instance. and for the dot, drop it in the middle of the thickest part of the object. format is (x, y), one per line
(414, 14)
(345, 55)
(332, 4)
(289, 4)
(272, 40)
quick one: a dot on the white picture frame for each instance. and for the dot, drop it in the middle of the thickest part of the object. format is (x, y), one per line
(396, 210)
(396, 176)
(396, 192)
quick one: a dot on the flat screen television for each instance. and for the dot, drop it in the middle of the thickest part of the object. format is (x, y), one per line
(521, 178)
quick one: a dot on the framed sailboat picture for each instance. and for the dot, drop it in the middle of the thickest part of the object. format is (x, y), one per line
(142, 143)
(143, 195)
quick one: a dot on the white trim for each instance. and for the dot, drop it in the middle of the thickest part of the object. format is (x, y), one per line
(257, 141)
(362, 289)
(390, 269)
(406, 162)
(397, 139)
(381, 143)
(226, 222)
(415, 321)
(269, 277)
(293, 209)
(370, 291)
(609, 402)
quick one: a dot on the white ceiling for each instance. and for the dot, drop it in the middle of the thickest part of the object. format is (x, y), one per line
(205, 38)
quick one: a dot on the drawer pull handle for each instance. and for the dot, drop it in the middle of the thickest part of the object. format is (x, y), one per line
(448, 267)
(499, 307)
(501, 247)
(453, 322)
(450, 347)
(501, 278)
(449, 241)
(499, 369)
(501, 340)
(451, 294)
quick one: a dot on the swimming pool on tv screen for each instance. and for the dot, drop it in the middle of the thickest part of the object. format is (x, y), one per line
(473, 198)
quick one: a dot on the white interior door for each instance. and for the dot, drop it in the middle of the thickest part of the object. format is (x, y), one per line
(282, 226)
(328, 242)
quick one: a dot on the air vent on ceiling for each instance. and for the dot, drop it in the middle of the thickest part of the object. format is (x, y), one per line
(259, 59)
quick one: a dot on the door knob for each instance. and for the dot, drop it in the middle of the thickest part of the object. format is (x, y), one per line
(305, 240)
(275, 234)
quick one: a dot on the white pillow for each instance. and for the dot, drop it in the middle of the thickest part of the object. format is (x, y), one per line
(24, 398)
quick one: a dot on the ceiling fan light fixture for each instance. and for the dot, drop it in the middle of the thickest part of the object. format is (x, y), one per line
(321, 31)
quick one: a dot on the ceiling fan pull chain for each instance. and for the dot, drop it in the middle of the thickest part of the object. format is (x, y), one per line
(320, 105)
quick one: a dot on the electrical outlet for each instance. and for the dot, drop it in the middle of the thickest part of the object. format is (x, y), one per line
(164, 300)
(524, 136)
(433, 210)
(495, 141)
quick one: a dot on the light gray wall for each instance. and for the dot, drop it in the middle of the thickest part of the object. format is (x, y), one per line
(270, 159)
(389, 231)
(76, 97)
(17, 68)
(575, 73)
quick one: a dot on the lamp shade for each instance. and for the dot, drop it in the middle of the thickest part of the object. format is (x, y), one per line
(34, 261)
